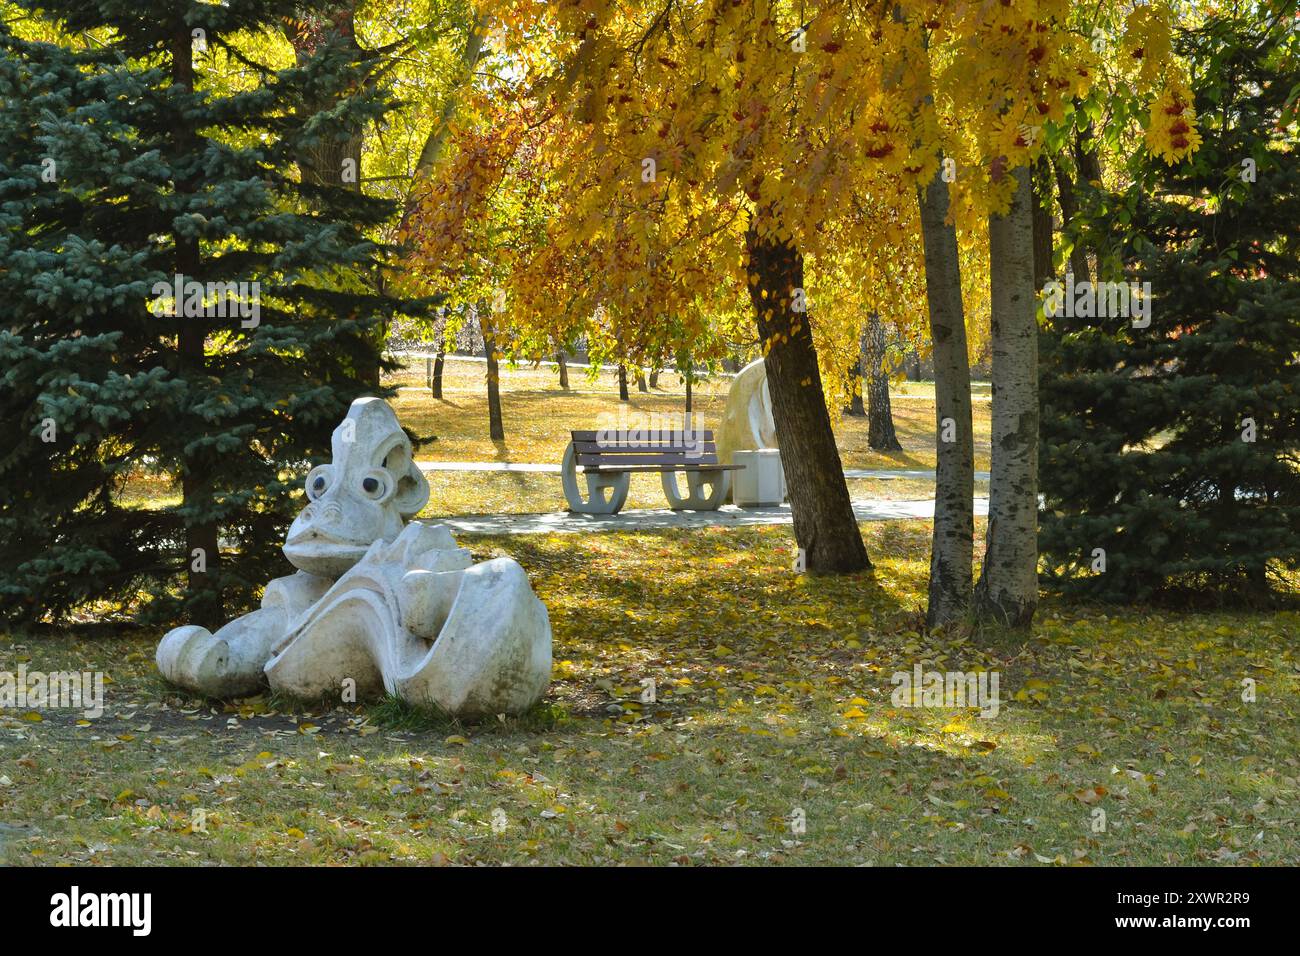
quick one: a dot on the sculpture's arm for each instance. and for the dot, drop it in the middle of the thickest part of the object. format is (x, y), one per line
(426, 592)
(229, 663)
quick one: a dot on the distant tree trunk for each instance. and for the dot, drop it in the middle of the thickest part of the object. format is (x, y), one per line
(858, 380)
(1007, 591)
(334, 160)
(1086, 158)
(564, 369)
(640, 380)
(1069, 209)
(202, 557)
(1042, 221)
(913, 360)
(431, 152)
(825, 527)
(1086, 168)
(654, 378)
(496, 429)
(689, 378)
(622, 382)
(880, 417)
(439, 340)
(952, 545)
(855, 407)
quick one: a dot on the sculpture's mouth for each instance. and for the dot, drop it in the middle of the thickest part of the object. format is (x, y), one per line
(321, 552)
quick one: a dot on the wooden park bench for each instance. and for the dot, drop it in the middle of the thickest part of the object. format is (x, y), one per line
(608, 460)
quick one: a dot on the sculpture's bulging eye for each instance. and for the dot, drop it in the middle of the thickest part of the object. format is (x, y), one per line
(318, 482)
(372, 487)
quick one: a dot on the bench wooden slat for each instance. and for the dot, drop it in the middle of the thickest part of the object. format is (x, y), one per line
(640, 436)
(615, 469)
(655, 458)
(596, 448)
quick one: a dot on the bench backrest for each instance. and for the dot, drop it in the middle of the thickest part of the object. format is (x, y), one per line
(645, 447)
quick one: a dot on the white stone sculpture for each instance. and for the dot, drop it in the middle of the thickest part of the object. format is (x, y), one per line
(377, 604)
(747, 418)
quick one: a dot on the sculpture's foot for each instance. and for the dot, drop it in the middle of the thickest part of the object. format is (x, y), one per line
(210, 664)
(492, 654)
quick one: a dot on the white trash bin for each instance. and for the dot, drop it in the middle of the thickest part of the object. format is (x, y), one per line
(761, 483)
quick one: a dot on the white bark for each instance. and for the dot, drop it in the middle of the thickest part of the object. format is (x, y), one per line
(952, 548)
(1007, 592)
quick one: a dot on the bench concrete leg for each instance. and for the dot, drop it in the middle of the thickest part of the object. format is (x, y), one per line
(597, 501)
(695, 499)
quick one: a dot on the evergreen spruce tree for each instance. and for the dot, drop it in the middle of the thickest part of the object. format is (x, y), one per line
(123, 173)
(1170, 459)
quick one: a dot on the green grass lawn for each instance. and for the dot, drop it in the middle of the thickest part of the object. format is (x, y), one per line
(772, 704)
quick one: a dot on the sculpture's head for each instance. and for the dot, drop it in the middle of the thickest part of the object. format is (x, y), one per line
(364, 495)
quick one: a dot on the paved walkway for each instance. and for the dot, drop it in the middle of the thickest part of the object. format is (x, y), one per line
(728, 516)
(554, 469)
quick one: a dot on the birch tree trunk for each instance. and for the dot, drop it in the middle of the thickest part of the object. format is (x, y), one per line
(1007, 592)
(953, 543)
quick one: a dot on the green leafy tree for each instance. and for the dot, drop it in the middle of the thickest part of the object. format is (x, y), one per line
(122, 174)
(1171, 452)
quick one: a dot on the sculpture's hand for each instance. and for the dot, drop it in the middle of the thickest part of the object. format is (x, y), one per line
(226, 664)
(191, 657)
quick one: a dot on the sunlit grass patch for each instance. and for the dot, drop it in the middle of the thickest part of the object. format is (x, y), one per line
(538, 415)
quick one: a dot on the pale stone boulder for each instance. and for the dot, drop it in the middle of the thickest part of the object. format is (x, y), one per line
(377, 604)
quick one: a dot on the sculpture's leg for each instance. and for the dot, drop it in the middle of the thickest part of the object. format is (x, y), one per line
(346, 645)
(226, 664)
(492, 650)
(696, 498)
(596, 502)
